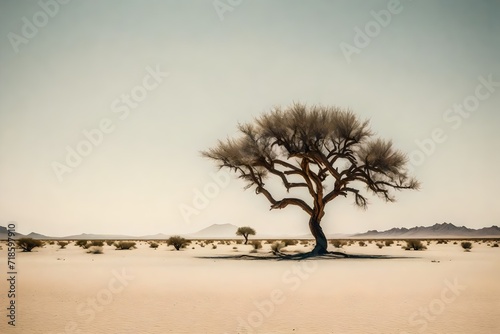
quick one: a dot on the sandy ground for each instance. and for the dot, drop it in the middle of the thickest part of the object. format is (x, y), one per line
(165, 291)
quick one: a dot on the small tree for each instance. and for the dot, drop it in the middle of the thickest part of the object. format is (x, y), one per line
(27, 244)
(245, 231)
(178, 242)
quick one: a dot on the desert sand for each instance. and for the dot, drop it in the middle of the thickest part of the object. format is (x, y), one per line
(440, 290)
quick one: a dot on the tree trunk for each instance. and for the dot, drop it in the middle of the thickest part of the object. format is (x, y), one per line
(246, 238)
(319, 235)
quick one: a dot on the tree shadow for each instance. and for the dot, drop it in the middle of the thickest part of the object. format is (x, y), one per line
(301, 256)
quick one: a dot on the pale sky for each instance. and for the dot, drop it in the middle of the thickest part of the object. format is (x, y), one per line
(87, 65)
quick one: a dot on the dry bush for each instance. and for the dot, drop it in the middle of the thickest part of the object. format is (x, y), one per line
(466, 245)
(82, 243)
(95, 250)
(290, 242)
(214, 246)
(494, 245)
(257, 244)
(388, 243)
(277, 246)
(414, 244)
(338, 243)
(27, 244)
(361, 243)
(123, 245)
(379, 245)
(110, 242)
(62, 244)
(178, 242)
(153, 244)
(97, 243)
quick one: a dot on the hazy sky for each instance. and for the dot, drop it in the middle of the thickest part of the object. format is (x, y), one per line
(163, 80)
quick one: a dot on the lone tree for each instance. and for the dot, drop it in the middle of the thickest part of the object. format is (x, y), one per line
(325, 151)
(245, 231)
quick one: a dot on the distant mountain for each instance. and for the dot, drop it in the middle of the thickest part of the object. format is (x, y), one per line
(444, 230)
(3, 233)
(86, 236)
(35, 235)
(158, 236)
(224, 231)
(228, 231)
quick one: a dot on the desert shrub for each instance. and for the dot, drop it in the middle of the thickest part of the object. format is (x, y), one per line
(362, 243)
(414, 244)
(271, 241)
(239, 242)
(209, 242)
(153, 245)
(379, 244)
(97, 243)
(82, 243)
(110, 242)
(338, 243)
(277, 246)
(214, 246)
(466, 245)
(123, 245)
(290, 242)
(442, 241)
(27, 244)
(257, 244)
(235, 247)
(95, 250)
(370, 241)
(62, 244)
(51, 242)
(304, 242)
(494, 245)
(202, 245)
(388, 243)
(178, 242)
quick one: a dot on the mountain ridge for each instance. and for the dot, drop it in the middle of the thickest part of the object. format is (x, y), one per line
(228, 231)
